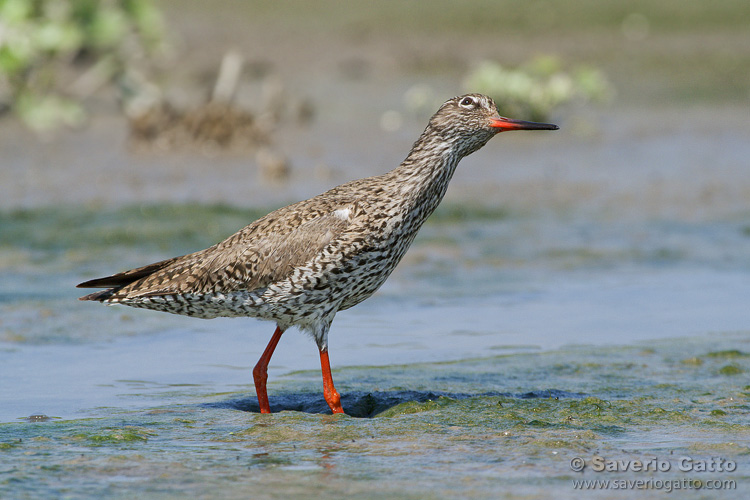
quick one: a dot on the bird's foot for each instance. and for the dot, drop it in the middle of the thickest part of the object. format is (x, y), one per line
(333, 399)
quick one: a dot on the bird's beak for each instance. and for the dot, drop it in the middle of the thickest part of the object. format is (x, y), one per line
(501, 124)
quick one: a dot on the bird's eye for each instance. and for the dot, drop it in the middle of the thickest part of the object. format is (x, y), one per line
(467, 102)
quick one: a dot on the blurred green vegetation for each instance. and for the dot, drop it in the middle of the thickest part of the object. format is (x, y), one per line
(53, 53)
(536, 88)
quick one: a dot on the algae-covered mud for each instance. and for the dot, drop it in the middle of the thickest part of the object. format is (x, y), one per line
(514, 426)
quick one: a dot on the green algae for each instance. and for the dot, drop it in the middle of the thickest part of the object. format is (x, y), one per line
(732, 369)
(115, 435)
(413, 407)
(8, 445)
(729, 353)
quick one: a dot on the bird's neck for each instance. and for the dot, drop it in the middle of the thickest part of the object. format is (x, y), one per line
(422, 178)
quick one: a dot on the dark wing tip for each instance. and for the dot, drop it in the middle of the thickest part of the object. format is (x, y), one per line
(96, 283)
(126, 277)
(86, 284)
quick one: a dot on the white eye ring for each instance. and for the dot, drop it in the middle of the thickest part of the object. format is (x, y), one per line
(468, 102)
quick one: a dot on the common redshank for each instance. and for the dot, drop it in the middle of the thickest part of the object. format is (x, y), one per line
(301, 264)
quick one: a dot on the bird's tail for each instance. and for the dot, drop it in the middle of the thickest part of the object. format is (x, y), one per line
(117, 282)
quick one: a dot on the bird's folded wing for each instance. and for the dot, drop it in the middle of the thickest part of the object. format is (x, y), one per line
(245, 261)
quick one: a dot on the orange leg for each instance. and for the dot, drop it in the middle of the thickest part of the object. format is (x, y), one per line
(260, 372)
(329, 391)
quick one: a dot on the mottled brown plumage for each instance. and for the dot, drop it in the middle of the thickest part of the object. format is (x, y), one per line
(301, 264)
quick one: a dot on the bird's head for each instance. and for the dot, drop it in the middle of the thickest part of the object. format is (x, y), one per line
(471, 120)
